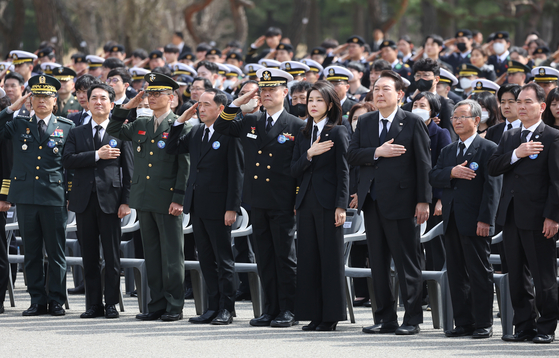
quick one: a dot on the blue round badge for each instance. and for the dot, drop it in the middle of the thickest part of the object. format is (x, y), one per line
(533, 156)
(50, 144)
(474, 166)
(112, 143)
(216, 145)
(161, 144)
(281, 139)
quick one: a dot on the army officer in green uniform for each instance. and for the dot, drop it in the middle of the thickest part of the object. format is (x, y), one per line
(157, 194)
(37, 188)
(67, 103)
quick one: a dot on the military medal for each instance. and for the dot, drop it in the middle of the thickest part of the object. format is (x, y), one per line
(55, 150)
(216, 145)
(139, 149)
(474, 166)
(281, 139)
(51, 143)
(26, 130)
(252, 129)
(165, 135)
(161, 144)
(112, 143)
(24, 147)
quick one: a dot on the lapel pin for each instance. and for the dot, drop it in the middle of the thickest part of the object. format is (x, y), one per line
(474, 166)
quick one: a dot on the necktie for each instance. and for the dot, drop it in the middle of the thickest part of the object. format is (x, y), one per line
(314, 134)
(206, 136)
(155, 124)
(524, 135)
(384, 131)
(98, 136)
(42, 128)
(460, 156)
(269, 125)
(509, 127)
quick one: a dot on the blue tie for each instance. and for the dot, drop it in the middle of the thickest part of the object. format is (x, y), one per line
(384, 131)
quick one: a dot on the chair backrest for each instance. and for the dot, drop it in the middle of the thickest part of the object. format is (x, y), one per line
(437, 230)
(128, 219)
(353, 222)
(185, 220)
(71, 218)
(497, 238)
(242, 220)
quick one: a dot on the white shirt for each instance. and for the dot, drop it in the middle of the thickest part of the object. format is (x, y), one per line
(514, 158)
(87, 118)
(390, 118)
(503, 57)
(320, 126)
(275, 116)
(47, 120)
(121, 99)
(467, 144)
(393, 64)
(515, 124)
(342, 101)
(211, 128)
(101, 133)
(464, 55)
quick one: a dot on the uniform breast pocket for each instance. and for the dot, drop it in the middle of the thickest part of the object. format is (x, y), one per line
(162, 152)
(55, 178)
(25, 143)
(139, 145)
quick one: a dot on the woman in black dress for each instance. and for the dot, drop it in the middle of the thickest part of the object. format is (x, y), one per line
(319, 162)
(551, 112)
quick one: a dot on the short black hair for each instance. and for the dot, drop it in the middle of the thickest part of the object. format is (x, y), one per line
(164, 70)
(432, 99)
(235, 44)
(406, 38)
(179, 34)
(210, 66)
(170, 48)
(16, 76)
(427, 65)
(203, 47)
(140, 53)
(4, 102)
(273, 31)
(120, 71)
(380, 65)
(85, 82)
(357, 66)
(219, 97)
(113, 62)
(519, 50)
(302, 86)
(398, 83)
(436, 39)
(329, 43)
(540, 93)
(512, 88)
(251, 82)
(207, 83)
(104, 87)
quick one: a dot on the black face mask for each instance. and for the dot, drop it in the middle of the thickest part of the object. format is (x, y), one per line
(461, 46)
(299, 110)
(423, 85)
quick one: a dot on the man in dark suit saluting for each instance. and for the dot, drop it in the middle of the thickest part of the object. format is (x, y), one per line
(213, 198)
(470, 200)
(529, 212)
(102, 167)
(392, 148)
(268, 140)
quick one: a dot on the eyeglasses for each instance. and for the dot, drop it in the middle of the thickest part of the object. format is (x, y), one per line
(462, 118)
(197, 89)
(157, 94)
(112, 80)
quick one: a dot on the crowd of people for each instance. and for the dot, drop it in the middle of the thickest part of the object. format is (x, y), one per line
(461, 132)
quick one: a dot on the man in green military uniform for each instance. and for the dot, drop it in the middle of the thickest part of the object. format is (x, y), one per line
(157, 194)
(37, 188)
(67, 103)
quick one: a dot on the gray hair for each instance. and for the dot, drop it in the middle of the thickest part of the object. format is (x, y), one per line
(475, 108)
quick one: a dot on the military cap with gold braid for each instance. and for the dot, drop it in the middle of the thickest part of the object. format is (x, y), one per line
(45, 51)
(159, 82)
(94, 61)
(235, 56)
(272, 77)
(463, 33)
(214, 51)
(4, 65)
(137, 73)
(79, 57)
(117, 48)
(501, 35)
(222, 69)
(318, 51)
(19, 57)
(251, 69)
(448, 78)
(294, 68)
(234, 71)
(183, 69)
(48, 67)
(356, 40)
(515, 66)
(155, 54)
(269, 63)
(187, 56)
(44, 85)
(483, 85)
(284, 46)
(467, 70)
(313, 65)
(544, 74)
(541, 50)
(64, 73)
(337, 73)
(388, 43)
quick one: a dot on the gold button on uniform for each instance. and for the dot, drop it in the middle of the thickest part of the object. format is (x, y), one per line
(150, 153)
(259, 152)
(37, 178)
(152, 141)
(267, 179)
(257, 164)
(256, 177)
(149, 165)
(171, 189)
(270, 154)
(37, 168)
(40, 147)
(268, 167)
(147, 177)
(39, 158)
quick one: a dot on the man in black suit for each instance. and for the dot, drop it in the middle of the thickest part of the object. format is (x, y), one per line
(507, 95)
(103, 168)
(529, 212)
(470, 199)
(392, 148)
(268, 140)
(213, 198)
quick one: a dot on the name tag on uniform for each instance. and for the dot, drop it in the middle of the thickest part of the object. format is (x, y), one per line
(253, 136)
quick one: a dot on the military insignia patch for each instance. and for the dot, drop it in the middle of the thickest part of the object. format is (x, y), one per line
(331, 72)
(288, 66)
(152, 77)
(266, 75)
(479, 85)
(542, 71)
(42, 79)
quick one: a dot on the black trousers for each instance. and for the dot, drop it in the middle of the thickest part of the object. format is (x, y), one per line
(4, 264)
(470, 277)
(213, 241)
(397, 239)
(529, 252)
(320, 264)
(435, 255)
(93, 224)
(273, 232)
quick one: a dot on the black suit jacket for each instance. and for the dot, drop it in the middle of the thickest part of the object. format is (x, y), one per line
(346, 107)
(112, 176)
(444, 115)
(471, 200)
(532, 183)
(268, 183)
(329, 172)
(495, 133)
(77, 118)
(216, 171)
(400, 182)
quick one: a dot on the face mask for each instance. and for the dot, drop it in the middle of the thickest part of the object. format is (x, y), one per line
(144, 112)
(538, 61)
(300, 110)
(461, 46)
(484, 116)
(423, 85)
(423, 113)
(290, 84)
(229, 84)
(250, 106)
(499, 48)
(465, 83)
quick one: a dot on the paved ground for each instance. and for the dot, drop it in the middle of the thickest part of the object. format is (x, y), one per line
(69, 336)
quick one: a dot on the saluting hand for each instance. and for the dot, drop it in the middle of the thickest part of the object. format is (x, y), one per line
(461, 171)
(244, 99)
(389, 150)
(106, 152)
(340, 216)
(19, 103)
(317, 148)
(188, 113)
(550, 228)
(529, 148)
(134, 102)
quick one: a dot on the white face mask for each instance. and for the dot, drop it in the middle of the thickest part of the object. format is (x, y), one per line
(144, 112)
(538, 61)
(484, 116)
(465, 83)
(499, 48)
(250, 106)
(228, 84)
(423, 113)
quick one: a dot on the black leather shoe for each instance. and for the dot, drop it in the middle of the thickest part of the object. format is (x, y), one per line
(93, 311)
(526, 335)
(460, 331)
(386, 327)
(55, 309)
(169, 317)
(1, 308)
(543, 338)
(240, 296)
(360, 302)
(134, 293)
(79, 290)
(261, 321)
(111, 312)
(150, 316)
(311, 326)
(284, 319)
(483, 332)
(188, 294)
(405, 330)
(35, 310)
(207, 317)
(327, 326)
(367, 304)
(223, 317)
